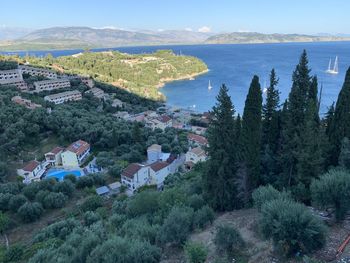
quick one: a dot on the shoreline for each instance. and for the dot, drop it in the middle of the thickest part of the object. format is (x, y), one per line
(163, 82)
(98, 49)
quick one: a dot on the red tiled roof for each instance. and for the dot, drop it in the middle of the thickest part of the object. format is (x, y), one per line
(197, 138)
(56, 150)
(157, 166)
(198, 151)
(30, 167)
(78, 147)
(131, 170)
(171, 158)
(164, 118)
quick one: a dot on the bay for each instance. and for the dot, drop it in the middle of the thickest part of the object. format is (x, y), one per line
(235, 65)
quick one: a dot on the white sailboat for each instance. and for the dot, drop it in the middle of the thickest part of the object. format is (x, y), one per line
(335, 67)
(209, 86)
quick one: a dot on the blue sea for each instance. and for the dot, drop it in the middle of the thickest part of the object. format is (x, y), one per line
(235, 66)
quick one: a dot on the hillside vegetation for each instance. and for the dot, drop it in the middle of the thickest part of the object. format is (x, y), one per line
(141, 74)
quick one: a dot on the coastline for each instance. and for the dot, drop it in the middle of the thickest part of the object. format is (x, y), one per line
(163, 82)
(100, 48)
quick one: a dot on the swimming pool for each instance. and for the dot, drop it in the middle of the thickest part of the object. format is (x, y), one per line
(60, 174)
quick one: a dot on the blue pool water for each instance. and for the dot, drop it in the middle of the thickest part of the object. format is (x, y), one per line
(60, 174)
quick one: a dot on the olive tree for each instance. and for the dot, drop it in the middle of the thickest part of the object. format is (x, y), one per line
(292, 227)
(332, 190)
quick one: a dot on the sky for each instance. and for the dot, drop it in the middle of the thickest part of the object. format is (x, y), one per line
(266, 16)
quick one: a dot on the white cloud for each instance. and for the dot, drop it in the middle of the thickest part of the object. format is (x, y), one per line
(204, 29)
(107, 27)
(160, 30)
(244, 31)
(188, 29)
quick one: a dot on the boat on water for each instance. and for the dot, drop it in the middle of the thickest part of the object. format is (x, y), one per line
(335, 69)
(209, 86)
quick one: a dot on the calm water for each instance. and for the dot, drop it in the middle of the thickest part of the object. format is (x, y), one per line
(235, 66)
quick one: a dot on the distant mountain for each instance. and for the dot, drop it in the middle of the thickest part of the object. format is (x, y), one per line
(10, 33)
(253, 37)
(86, 37)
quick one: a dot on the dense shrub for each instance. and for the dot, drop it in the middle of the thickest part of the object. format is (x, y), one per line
(145, 202)
(195, 252)
(177, 226)
(140, 228)
(84, 181)
(264, 194)
(59, 230)
(14, 253)
(91, 203)
(203, 216)
(196, 201)
(16, 202)
(70, 177)
(30, 211)
(292, 227)
(54, 200)
(333, 189)
(66, 187)
(4, 201)
(121, 250)
(228, 239)
(91, 218)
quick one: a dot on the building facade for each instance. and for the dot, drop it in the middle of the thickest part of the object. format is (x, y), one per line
(63, 97)
(37, 71)
(54, 157)
(32, 171)
(47, 85)
(75, 154)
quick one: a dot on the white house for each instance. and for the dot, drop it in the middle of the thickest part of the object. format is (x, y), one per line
(195, 155)
(54, 157)
(32, 171)
(75, 154)
(135, 175)
(160, 122)
(158, 172)
(154, 153)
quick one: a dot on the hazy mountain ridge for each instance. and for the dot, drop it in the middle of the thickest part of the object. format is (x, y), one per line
(86, 37)
(254, 37)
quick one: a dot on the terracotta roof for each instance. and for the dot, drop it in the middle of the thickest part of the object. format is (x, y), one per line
(78, 147)
(198, 151)
(30, 167)
(164, 118)
(171, 158)
(155, 147)
(157, 166)
(56, 150)
(131, 170)
(197, 138)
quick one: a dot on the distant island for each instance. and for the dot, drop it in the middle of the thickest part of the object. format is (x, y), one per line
(86, 37)
(140, 74)
(253, 37)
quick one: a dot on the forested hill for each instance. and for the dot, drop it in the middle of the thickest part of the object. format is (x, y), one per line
(253, 37)
(141, 74)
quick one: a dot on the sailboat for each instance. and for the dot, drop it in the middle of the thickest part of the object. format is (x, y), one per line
(335, 67)
(209, 86)
(264, 88)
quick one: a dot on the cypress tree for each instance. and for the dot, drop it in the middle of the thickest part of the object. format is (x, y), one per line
(270, 127)
(295, 120)
(251, 134)
(310, 158)
(220, 183)
(340, 126)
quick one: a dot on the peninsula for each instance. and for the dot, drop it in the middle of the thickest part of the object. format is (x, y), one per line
(140, 74)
